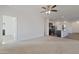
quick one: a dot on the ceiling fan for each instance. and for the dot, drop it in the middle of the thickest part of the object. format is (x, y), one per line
(48, 9)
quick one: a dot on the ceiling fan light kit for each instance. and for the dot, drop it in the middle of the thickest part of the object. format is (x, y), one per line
(48, 12)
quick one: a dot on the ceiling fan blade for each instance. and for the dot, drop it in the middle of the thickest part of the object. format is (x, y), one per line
(44, 7)
(54, 10)
(54, 6)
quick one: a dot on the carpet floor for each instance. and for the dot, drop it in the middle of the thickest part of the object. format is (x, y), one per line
(42, 45)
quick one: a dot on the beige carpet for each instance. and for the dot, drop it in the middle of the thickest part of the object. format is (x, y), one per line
(43, 45)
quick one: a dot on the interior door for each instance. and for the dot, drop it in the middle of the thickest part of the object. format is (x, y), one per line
(10, 27)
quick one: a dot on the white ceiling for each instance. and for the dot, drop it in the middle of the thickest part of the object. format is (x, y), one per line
(65, 12)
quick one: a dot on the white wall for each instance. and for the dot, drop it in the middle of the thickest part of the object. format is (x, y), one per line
(75, 27)
(46, 27)
(29, 21)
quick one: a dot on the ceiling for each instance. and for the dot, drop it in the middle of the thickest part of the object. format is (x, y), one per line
(65, 12)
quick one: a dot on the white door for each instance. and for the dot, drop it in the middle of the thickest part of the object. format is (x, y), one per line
(10, 27)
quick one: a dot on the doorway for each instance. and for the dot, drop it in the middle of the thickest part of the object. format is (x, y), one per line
(52, 29)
